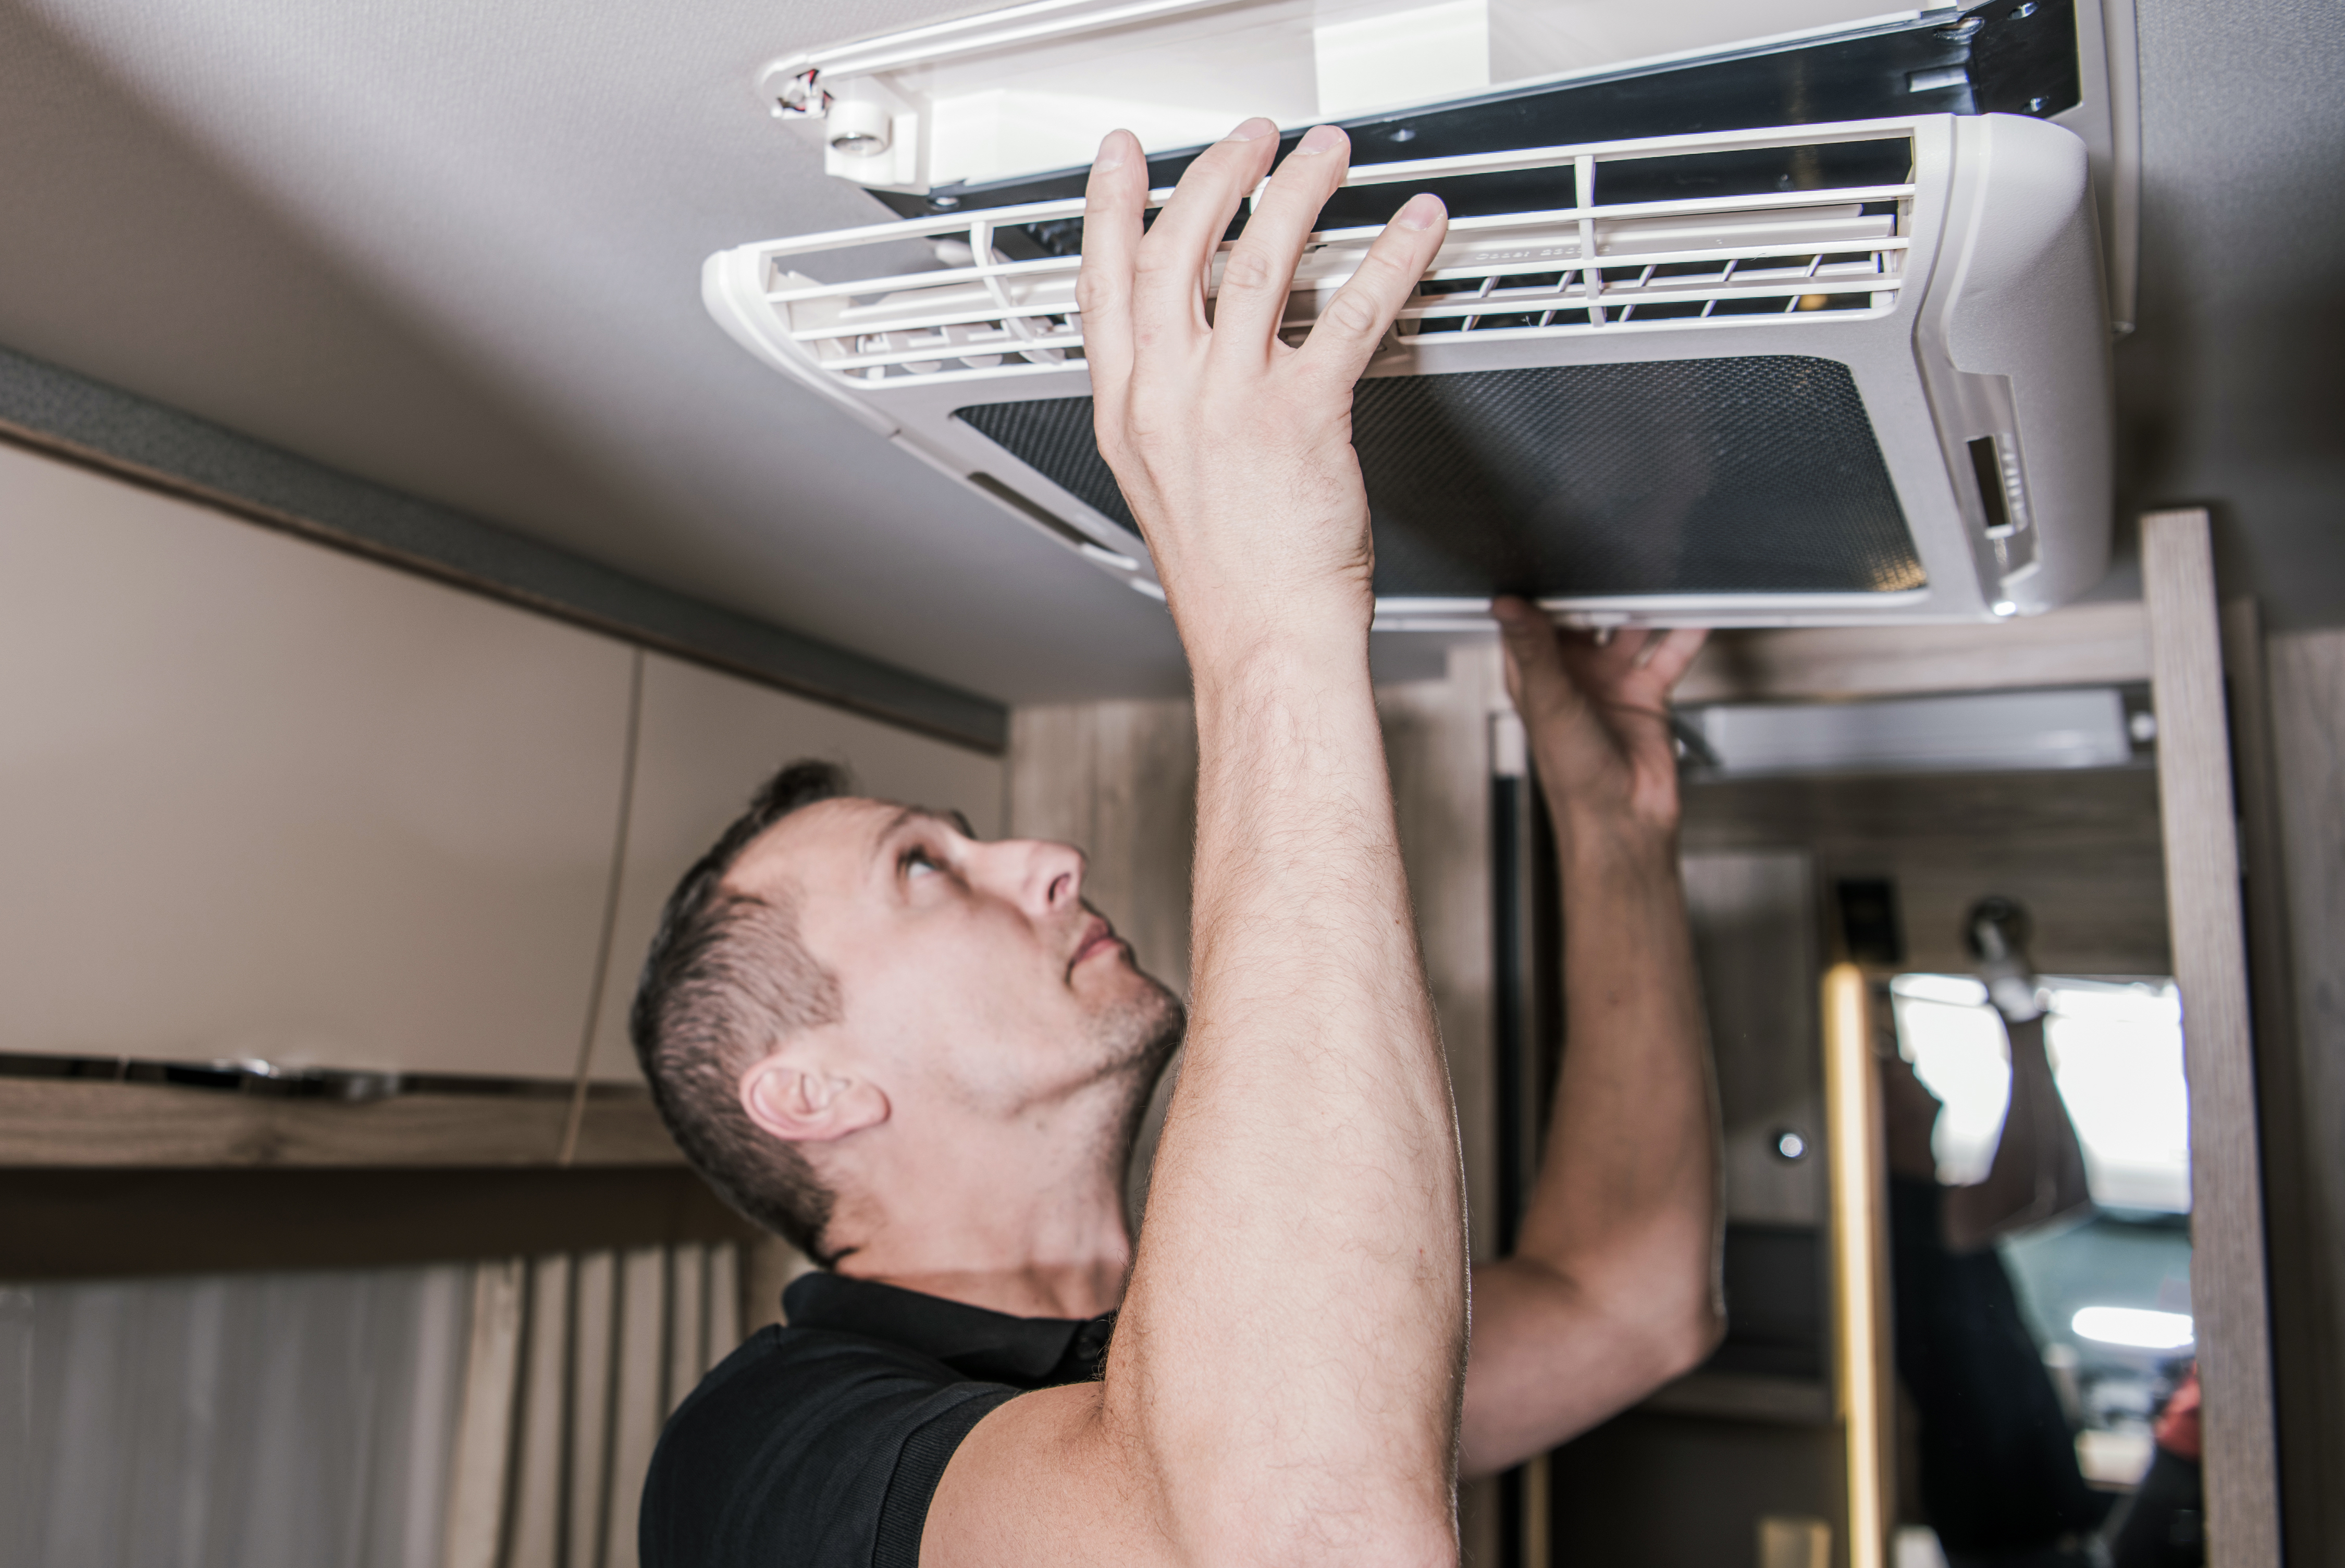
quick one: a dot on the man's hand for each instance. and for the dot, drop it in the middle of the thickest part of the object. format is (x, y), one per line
(1597, 715)
(1234, 449)
(1611, 1288)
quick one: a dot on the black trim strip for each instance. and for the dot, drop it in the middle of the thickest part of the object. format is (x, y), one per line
(54, 412)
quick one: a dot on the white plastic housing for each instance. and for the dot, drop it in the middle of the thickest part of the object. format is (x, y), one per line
(1982, 320)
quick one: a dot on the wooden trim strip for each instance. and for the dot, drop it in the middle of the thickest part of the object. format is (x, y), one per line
(53, 1122)
(2230, 1291)
(2083, 645)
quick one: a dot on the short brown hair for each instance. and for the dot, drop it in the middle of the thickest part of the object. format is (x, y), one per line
(727, 977)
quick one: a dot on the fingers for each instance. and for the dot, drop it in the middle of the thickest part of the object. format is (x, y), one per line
(1534, 653)
(1168, 268)
(1114, 202)
(1261, 268)
(1355, 320)
(1673, 654)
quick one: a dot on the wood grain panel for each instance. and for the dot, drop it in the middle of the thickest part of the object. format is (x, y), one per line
(2307, 683)
(2202, 869)
(1119, 781)
(1754, 918)
(50, 1123)
(2083, 645)
(2081, 849)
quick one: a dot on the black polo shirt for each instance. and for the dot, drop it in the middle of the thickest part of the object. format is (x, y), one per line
(820, 1444)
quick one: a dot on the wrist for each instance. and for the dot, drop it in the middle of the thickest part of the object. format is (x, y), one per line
(1610, 853)
(1230, 653)
(1240, 683)
(1602, 833)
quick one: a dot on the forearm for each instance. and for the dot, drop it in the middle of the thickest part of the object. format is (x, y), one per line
(1630, 1183)
(2039, 1171)
(1611, 1287)
(1301, 1275)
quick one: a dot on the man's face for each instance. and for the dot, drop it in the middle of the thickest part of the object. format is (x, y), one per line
(966, 969)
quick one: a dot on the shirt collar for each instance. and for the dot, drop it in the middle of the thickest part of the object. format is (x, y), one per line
(981, 1345)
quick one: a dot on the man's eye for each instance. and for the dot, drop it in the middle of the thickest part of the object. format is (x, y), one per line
(918, 862)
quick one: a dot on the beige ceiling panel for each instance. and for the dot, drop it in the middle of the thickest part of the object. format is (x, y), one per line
(261, 799)
(708, 740)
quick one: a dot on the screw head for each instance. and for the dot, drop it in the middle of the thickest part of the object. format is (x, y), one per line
(943, 203)
(1789, 1145)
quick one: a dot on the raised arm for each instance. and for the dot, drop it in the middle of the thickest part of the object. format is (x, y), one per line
(1283, 1384)
(1612, 1287)
(2038, 1173)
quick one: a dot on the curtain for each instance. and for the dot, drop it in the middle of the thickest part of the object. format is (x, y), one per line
(490, 1415)
(291, 1420)
(573, 1364)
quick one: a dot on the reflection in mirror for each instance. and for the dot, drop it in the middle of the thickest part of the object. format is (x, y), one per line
(2038, 1139)
(1863, 833)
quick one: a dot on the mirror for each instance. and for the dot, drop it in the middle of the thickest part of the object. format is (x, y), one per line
(1885, 1370)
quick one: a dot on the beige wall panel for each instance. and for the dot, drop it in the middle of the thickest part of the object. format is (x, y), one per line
(1119, 781)
(260, 798)
(707, 741)
(1754, 918)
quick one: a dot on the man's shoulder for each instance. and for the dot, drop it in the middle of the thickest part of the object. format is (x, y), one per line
(788, 1375)
(790, 1446)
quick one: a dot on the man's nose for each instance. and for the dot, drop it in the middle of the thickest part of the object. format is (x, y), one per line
(1044, 878)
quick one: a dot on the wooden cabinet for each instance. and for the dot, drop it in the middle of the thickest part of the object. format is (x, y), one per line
(261, 799)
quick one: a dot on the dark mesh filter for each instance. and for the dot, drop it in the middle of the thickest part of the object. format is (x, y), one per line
(1735, 476)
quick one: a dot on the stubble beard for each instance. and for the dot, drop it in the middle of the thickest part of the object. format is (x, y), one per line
(1139, 1039)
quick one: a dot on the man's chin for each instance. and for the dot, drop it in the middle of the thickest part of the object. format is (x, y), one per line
(1144, 1028)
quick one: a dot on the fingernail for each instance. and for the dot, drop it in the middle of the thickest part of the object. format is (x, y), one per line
(1256, 127)
(1110, 151)
(1321, 138)
(1420, 211)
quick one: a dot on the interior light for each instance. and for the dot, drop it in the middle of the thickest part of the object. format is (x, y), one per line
(2134, 1327)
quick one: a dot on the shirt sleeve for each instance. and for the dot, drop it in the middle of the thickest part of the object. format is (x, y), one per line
(807, 1447)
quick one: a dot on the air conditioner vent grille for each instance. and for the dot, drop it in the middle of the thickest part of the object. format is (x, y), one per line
(1751, 475)
(1663, 234)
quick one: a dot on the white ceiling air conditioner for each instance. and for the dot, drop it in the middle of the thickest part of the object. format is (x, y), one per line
(1860, 374)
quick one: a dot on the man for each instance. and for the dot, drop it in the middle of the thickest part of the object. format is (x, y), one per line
(922, 1055)
(1999, 1479)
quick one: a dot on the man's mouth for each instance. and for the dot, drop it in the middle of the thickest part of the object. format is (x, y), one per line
(1098, 937)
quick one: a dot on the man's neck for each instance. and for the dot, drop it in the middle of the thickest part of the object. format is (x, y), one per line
(1025, 1219)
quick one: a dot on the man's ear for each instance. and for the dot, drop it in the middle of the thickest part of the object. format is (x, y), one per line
(798, 1102)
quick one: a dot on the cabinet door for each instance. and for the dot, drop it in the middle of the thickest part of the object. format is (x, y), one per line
(261, 799)
(707, 741)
